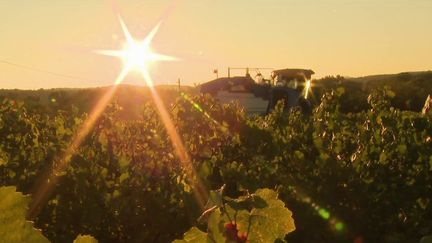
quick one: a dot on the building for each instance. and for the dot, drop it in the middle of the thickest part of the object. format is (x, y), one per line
(258, 96)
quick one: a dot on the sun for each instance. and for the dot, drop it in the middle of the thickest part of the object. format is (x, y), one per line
(136, 55)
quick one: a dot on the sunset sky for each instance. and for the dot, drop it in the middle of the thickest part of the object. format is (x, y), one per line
(346, 37)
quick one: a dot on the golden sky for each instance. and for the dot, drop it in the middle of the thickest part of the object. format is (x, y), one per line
(346, 37)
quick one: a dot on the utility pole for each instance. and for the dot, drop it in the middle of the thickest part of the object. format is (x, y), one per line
(178, 82)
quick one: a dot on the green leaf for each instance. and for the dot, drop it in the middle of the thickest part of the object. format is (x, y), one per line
(4, 157)
(124, 161)
(247, 203)
(85, 239)
(13, 225)
(402, 149)
(383, 158)
(426, 239)
(215, 227)
(271, 222)
(390, 93)
(340, 91)
(430, 163)
(267, 220)
(123, 177)
(103, 140)
(194, 235)
(214, 201)
(215, 198)
(299, 155)
(205, 170)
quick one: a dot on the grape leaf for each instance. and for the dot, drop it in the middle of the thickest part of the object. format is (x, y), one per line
(13, 225)
(85, 239)
(271, 222)
(267, 221)
(426, 239)
(194, 235)
(215, 227)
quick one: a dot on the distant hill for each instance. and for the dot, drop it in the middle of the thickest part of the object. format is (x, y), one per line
(131, 98)
(411, 88)
(383, 77)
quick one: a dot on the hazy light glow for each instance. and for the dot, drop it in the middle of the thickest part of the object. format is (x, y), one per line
(339, 226)
(334, 222)
(136, 55)
(46, 183)
(198, 107)
(324, 213)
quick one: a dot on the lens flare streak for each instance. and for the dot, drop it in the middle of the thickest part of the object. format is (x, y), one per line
(307, 88)
(200, 192)
(325, 214)
(198, 107)
(135, 56)
(46, 183)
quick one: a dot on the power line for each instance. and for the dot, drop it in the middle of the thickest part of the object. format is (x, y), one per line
(46, 71)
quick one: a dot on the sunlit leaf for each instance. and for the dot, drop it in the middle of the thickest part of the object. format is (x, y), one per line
(194, 235)
(85, 239)
(13, 225)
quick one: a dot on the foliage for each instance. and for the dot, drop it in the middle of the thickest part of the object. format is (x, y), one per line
(258, 217)
(411, 89)
(14, 227)
(49, 101)
(344, 175)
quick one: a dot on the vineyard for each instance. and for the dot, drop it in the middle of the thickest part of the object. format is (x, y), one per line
(329, 176)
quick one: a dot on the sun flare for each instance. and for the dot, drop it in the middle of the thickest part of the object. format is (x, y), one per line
(307, 88)
(136, 55)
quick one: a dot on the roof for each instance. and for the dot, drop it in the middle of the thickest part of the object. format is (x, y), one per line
(226, 83)
(294, 73)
